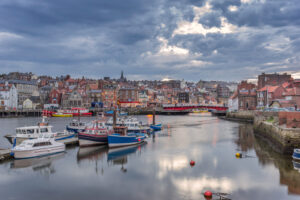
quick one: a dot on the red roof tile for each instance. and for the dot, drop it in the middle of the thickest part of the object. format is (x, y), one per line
(268, 88)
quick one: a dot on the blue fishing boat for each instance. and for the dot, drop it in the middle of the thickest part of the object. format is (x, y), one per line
(156, 127)
(122, 138)
(296, 154)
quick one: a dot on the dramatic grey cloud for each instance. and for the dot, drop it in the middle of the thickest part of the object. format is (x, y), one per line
(190, 39)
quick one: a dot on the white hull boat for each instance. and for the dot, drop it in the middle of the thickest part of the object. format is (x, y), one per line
(42, 146)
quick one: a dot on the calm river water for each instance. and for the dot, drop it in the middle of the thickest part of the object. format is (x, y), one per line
(158, 169)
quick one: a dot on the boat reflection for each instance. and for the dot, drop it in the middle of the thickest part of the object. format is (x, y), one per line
(36, 163)
(296, 165)
(43, 165)
(118, 156)
(91, 153)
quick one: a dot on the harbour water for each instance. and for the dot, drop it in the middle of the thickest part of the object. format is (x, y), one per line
(158, 169)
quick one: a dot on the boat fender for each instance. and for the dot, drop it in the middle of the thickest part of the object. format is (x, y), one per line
(208, 194)
(192, 163)
(238, 155)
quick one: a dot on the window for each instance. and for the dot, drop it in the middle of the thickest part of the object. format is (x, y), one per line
(44, 130)
(30, 131)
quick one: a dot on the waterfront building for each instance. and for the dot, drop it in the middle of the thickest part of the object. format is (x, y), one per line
(273, 79)
(128, 97)
(143, 98)
(183, 97)
(24, 88)
(267, 94)
(233, 102)
(72, 99)
(8, 96)
(222, 91)
(34, 102)
(44, 94)
(292, 96)
(55, 96)
(247, 96)
(109, 95)
(94, 96)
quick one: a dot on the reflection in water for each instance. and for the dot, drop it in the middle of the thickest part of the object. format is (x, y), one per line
(296, 165)
(268, 156)
(118, 156)
(40, 164)
(161, 170)
(245, 139)
(92, 154)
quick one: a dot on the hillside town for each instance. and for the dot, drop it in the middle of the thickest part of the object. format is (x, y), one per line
(21, 91)
(29, 91)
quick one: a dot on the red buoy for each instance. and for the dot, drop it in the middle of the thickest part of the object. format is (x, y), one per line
(208, 194)
(192, 163)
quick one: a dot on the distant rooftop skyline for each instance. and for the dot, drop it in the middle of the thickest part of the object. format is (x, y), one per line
(227, 40)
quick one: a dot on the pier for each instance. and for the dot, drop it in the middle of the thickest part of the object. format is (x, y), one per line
(20, 113)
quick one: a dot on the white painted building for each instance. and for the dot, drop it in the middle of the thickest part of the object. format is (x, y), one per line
(8, 96)
(233, 103)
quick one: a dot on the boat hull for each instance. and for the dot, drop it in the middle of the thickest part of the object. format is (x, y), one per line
(39, 152)
(156, 127)
(120, 141)
(91, 140)
(296, 154)
(75, 130)
(62, 115)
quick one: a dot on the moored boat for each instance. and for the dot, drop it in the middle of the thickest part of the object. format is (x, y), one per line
(94, 134)
(60, 114)
(122, 138)
(42, 146)
(76, 126)
(133, 125)
(76, 112)
(33, 132)
(296, 154)
(156, 127)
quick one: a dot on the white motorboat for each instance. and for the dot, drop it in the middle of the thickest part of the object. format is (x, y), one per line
(33, 132)
(42, 146)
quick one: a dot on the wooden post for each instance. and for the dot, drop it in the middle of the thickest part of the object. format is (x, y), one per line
(114, 117)
(153, 116)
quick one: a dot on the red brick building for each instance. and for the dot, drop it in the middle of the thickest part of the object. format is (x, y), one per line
(55, 97)
(267, 94)
(247, 96)
(273, 79)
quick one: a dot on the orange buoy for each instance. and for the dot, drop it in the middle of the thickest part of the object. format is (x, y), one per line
(208, 194)
(192, 163)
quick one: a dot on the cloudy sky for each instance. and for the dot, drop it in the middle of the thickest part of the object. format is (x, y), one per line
(151, 39)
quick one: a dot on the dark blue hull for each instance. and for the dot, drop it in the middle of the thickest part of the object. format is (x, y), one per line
(91, 140)
(117, 140)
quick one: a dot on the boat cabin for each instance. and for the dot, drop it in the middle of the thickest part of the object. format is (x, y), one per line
(30, 131)
(122, 130)
(76, 123)
(97, 127)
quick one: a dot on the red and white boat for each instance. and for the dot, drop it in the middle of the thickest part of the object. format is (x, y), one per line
(95, 133)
